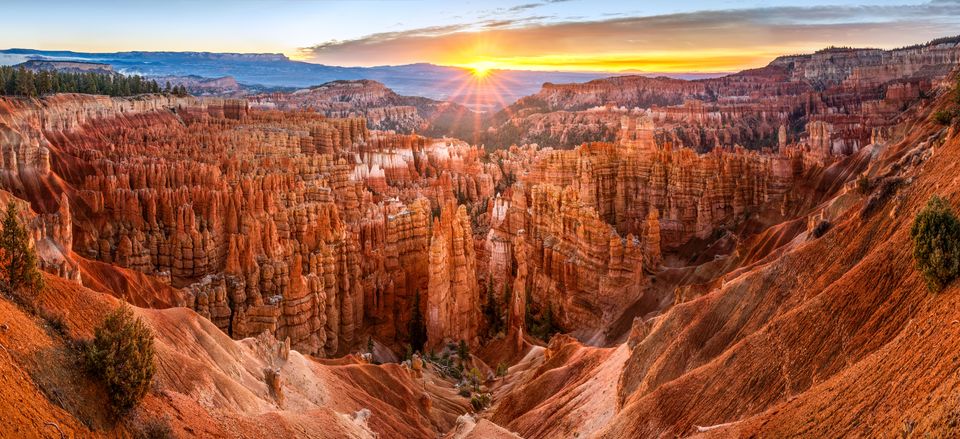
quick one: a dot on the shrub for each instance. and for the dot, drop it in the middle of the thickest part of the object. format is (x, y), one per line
(121, 354)
(936, 243)
(501, 369)
(19, 274)
(464, 392)
(474, 379)
(480, 401)
(541, 326)
(154, 428)
(943, 117)
(463, 351)
(456, 372)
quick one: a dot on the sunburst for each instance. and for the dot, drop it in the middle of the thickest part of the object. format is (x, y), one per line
(481, 69)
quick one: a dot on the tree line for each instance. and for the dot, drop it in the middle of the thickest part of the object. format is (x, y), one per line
(18, 81)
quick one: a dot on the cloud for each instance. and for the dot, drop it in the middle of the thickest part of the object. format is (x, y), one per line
(520, 8)
(717, 40)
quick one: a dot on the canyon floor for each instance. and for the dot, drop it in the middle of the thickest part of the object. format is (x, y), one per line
(628, 257)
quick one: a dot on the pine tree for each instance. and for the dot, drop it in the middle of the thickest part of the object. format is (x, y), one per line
(24, 83)
(19, 264)
(492, 312)
(416, 327)
(121, 354)
(463, 351)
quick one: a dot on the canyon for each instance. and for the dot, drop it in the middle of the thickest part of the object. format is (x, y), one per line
(643, 257)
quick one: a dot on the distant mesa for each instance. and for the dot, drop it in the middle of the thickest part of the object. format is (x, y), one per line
(67, 66)
(198, 85)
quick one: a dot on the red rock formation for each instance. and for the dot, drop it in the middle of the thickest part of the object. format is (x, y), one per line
(453, 294)
(262, 218)
(685, 242)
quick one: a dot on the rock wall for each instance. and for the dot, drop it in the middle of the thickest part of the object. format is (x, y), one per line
(314, 229)
(453, 294)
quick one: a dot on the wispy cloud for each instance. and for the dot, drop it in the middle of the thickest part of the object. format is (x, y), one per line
(716, 40)
(519, 8)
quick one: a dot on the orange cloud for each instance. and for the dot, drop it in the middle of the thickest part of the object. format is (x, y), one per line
(691, 42)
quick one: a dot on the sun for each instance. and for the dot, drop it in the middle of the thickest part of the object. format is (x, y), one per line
(481, 69)
(480, 72)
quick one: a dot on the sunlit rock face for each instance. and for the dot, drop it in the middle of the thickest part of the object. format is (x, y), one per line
(453, 299)
(291, 214)
(592, 217)
(314, 229)
(855, 90)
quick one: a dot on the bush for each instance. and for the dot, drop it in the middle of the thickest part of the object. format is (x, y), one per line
(463, 351)
(19, 274)
(457, 372)
(540, 326)
(943, 117)
(501, 369)
(936, 243)
(480, 401)
(121, 354)
(154, 428)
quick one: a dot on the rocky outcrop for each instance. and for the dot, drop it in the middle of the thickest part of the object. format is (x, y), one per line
(855, 90)
(291, 223)
(453, 294)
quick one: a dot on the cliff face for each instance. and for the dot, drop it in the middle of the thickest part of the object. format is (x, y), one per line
(311, 228)
(857, 91)
(592, 216)
(453, 299)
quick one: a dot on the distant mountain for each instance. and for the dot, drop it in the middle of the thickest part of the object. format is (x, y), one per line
(226, 86)
(276, 70)
(67, 66)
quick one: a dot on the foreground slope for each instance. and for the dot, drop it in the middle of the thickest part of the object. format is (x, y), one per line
(207, 384)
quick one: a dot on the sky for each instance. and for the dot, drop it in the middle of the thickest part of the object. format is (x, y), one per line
(568, 35)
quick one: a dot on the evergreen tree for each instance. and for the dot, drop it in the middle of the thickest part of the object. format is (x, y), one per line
(24, 83)
(121, 354)
(19, 264)
(416, 327)
(936, 243)
(492, 311)
(463, 351)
